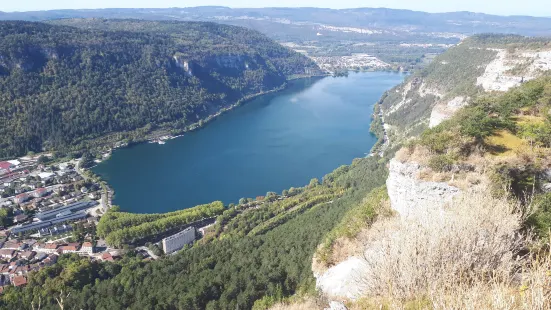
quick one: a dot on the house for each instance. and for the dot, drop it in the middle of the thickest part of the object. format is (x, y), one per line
(14, 162)
(69, 249)
(52, 259)
(40, 192)
(21, 198)
(8, 254)
(20, 218)
(19, 281)
(41, 256)
(6, 167)
(46, 176)
(107, 257)
(49, 248)
(28, 255)
(87, 247)
(10, 245)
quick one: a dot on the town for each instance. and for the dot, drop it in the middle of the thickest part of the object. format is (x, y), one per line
(51, 207)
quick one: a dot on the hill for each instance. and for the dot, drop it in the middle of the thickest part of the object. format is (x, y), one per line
(61, 86)
(400, 39)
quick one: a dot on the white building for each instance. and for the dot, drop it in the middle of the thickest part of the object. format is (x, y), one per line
(178, 241)
(87, 248)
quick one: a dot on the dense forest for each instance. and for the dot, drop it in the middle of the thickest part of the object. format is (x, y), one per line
(255, 258)
(61, 86)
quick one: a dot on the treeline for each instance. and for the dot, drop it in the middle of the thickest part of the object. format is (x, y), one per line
(120, 228)
(61, 86)
(228, 273)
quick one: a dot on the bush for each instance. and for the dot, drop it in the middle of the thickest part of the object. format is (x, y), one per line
(436, 252)
(540, 220)
(441, 162)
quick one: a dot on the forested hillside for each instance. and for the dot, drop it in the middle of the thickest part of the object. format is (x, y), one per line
(254, 257)
(61, 86)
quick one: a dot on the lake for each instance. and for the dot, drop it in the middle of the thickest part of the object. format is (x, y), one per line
(271, 143)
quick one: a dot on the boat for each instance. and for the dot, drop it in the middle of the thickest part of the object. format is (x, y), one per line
(161, 142)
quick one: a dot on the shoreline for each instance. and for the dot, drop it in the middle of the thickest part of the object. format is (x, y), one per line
(165, 135)
(169, 134)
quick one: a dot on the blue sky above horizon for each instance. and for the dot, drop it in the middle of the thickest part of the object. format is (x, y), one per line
(498, 7)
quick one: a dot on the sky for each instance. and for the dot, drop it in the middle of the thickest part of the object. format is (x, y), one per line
(499, 7)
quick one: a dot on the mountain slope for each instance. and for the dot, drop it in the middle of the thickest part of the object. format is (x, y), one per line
(480, 174)
(479, 65)
(62, 85)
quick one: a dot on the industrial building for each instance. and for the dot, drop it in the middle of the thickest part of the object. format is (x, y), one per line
(47, 223)
(68, 209)
(178, 241)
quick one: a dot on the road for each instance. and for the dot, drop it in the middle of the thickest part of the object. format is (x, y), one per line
(144, 248)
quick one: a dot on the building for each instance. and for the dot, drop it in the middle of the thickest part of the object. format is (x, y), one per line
(178, 241)
(20, 218)
(48, 248)
(6, 167)
(19, 281)
(87, 248)
(21, 198)
(69, 248)
(107, 257)
(40, 192)
(48, 223)
(8, 254)
(10, 245)
(28, 255)
(77, 206)
(45, 176)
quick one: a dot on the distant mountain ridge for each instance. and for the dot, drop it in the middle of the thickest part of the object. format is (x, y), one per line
(378, 18)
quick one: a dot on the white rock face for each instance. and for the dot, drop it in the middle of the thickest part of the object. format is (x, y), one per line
(497, 76)
(444, 111)
(335, 305)
(404, 101)
(410, 196)
(342, 280)
(425, 90)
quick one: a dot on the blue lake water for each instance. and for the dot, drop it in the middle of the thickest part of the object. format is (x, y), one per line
(271, 143)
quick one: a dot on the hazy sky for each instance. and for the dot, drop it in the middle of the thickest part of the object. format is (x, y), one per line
(501, 7)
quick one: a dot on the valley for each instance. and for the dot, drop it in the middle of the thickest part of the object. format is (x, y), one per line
(270, 184)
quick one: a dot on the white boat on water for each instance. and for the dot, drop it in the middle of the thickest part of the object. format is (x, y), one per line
(161, 142)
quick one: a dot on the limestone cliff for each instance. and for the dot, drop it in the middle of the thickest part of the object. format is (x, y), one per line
(410, 195)
(476, 66)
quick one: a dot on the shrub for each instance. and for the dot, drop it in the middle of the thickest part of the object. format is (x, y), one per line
(441, 162)
(433, 253)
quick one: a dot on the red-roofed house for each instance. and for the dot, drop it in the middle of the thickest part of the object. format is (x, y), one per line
(71, 248)
(107, 257)
(19, 281)
(5, 167)
(40, 192)
(21, 198)
(48, 248)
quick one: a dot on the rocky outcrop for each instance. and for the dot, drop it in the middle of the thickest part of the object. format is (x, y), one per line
(342, 280)
(508, 69)
(546, 181)
(445, 110)
(409, 195)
